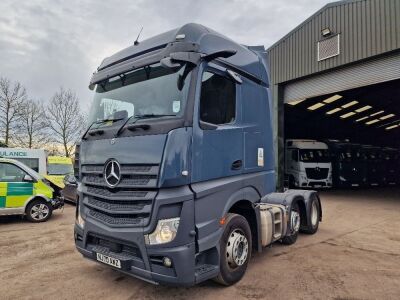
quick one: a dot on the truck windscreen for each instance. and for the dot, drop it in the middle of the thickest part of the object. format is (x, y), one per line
(351, 155)
(314, 155)
(152, 90)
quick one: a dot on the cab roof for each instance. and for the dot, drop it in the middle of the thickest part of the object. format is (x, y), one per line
(203, 40)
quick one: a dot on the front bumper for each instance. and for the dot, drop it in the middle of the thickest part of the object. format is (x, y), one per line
(314, 183)
(141, 262)
(127, 242)
(57, 202)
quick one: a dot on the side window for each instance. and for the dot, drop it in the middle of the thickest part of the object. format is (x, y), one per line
(218, 99)
(11, 173)
(295, 155)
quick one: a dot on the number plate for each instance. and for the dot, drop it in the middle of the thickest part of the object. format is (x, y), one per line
(109, 260)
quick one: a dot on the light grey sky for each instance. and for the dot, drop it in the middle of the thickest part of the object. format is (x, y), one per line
(46, 44)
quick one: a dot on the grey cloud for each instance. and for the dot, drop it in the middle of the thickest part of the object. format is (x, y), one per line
(46, 43)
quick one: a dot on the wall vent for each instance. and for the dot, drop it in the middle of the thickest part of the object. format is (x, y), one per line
(329, 47)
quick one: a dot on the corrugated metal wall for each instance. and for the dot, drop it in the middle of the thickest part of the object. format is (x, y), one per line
(366, 27)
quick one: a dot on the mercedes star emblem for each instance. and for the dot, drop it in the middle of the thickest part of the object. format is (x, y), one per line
(112, 173)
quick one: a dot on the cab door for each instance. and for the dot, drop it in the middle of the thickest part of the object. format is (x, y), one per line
(14, 191)
(218, 134)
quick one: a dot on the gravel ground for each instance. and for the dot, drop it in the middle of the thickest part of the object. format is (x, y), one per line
(354, 255)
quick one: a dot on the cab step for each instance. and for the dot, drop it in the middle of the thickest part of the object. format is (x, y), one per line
(204, 272)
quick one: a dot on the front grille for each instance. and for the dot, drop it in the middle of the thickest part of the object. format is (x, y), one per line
(116, 219)
(129, 204)
(106, 246)
(317, 173)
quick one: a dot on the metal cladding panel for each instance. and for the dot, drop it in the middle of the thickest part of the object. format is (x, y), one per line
(373, 71)
(367, 28)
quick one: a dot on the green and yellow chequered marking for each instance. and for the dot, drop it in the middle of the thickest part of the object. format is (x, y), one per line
(14, 194)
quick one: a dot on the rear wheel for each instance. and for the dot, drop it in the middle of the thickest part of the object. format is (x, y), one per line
(39, 210)
(294, 225)
(313, 217)
(235, 250)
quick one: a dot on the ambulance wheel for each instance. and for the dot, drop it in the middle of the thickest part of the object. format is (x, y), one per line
(313, 217)
(294, 225)
(235, 250)
(39, 210)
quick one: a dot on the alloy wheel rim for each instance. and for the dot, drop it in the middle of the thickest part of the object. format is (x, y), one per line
(39, 211)
(295, 221)
(237, 249)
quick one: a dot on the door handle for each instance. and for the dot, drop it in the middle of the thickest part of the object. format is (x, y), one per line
(237, 164)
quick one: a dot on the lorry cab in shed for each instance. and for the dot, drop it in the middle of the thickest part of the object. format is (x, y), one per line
(308, 164)
(176, 169)
(349, 164)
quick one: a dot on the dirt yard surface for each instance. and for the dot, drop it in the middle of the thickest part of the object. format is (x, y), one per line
(354, 255)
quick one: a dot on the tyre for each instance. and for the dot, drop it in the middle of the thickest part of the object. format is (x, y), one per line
(313, 217)
(39, 210)
(235, 250)
(294, 225)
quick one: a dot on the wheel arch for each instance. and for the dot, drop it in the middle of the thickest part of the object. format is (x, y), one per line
(241, 203)
(33, 198)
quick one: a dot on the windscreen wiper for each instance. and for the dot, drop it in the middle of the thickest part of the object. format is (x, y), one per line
(99, 122)
(135, 126)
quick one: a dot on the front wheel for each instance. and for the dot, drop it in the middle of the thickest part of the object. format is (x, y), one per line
(39, 211)
(235, 250)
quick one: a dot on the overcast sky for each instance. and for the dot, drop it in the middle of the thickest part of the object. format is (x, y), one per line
(46, 44)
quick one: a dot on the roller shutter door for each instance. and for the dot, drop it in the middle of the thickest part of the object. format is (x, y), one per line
(366, 73)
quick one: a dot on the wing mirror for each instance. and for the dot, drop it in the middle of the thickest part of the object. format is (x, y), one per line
(28, 178)
(70, 179)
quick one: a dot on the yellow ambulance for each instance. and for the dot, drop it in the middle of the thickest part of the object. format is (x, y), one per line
(57, 168)
(24, 192)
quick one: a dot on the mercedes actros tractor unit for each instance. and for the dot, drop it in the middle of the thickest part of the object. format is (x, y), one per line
(176, 169)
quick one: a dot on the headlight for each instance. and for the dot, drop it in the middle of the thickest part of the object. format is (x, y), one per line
(165, 232)
(342, 178)
(79, 220)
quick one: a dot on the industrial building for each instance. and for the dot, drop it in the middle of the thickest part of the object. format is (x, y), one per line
(337, 76)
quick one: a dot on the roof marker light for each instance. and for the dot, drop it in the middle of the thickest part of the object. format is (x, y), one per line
(377, 113)
(333, 111)
(350, 104)
(392, 127)
(332, 99)
(387, 116)
(360, 119)
(372, 121)
(347, 115)
(364, 108)
(316, 106)
(180, 37)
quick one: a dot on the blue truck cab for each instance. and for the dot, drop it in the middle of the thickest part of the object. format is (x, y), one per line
(176, 170)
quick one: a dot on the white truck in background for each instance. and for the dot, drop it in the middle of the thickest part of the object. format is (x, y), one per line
(307, 164)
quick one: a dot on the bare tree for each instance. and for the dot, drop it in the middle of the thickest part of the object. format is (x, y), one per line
(12, 98)
(65, 119)
(32, 128)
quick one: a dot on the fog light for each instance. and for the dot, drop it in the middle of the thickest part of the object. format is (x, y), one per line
(167, 262)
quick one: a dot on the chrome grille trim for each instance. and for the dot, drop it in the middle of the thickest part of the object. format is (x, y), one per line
(129, 203)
